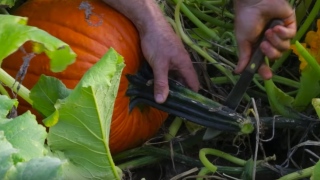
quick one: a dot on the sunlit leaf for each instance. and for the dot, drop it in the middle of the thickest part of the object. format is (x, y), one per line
(46, 92)
(14, 33)
(82, 132)
(6, 152)
(22, 150)
(38, 168)
(24, 133)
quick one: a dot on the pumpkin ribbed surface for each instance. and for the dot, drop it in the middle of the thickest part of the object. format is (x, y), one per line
(90, 31)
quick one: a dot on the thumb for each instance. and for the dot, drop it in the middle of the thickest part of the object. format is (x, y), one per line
(161, 88)
(245, 49)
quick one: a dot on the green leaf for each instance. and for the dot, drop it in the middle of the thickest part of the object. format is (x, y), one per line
(14, 33)
(52, 119)
(25, 134)
(316, 172)
(8, 3)
(79, 141)
(22, 151)
(37, 168)
(45, 94)
(5, 105)
(6, 152)
(280, 102)
(82, 132)
(248, 170)
(309, 89)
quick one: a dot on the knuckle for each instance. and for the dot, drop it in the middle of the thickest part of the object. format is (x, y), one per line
(161, 84)
(274, 55)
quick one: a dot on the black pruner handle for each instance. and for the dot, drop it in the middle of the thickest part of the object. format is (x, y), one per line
(258, 57)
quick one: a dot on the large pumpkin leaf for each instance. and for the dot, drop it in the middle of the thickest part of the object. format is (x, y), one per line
(23, 132)
(82, 132)
(6, 153)
(78, 142)
(37, 168)
(46, 92)
(22, 150)
(14, 33)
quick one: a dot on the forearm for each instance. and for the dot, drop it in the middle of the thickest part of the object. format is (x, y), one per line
(145, 14)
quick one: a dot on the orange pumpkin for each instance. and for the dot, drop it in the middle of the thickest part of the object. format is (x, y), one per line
(90, 29)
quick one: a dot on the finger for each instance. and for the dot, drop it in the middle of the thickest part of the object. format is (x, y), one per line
(291, 25)
(271, 52)
(190, 77)
(284, 32)
(265, 72)
(277, 42)
(161, 88)
(285, 12)
(244, 48)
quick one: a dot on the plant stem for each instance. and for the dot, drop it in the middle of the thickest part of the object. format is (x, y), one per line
(258, 84)
(275, 78)
(309, 58)
(11, 82)
(189, 42)
(3, 11)
(140, 162)
(298, 175)
(202, 156)
(173, 129)
(196, 21)
(3, 91)
(204, 171)
(223, 13)
(210, 19)
(217, 2)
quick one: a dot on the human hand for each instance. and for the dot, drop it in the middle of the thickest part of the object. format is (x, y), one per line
(251, 18)
(165, 53)
(161, 47)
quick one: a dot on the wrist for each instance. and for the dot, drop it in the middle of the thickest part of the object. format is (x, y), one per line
(144, 14)
(149, 19)
(246, 2)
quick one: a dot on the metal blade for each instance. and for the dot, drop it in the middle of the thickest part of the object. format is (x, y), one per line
(238, 91)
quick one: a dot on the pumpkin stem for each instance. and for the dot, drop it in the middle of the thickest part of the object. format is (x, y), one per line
(198, 109)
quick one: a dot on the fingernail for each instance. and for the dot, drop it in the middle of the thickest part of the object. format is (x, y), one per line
(159, 98)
